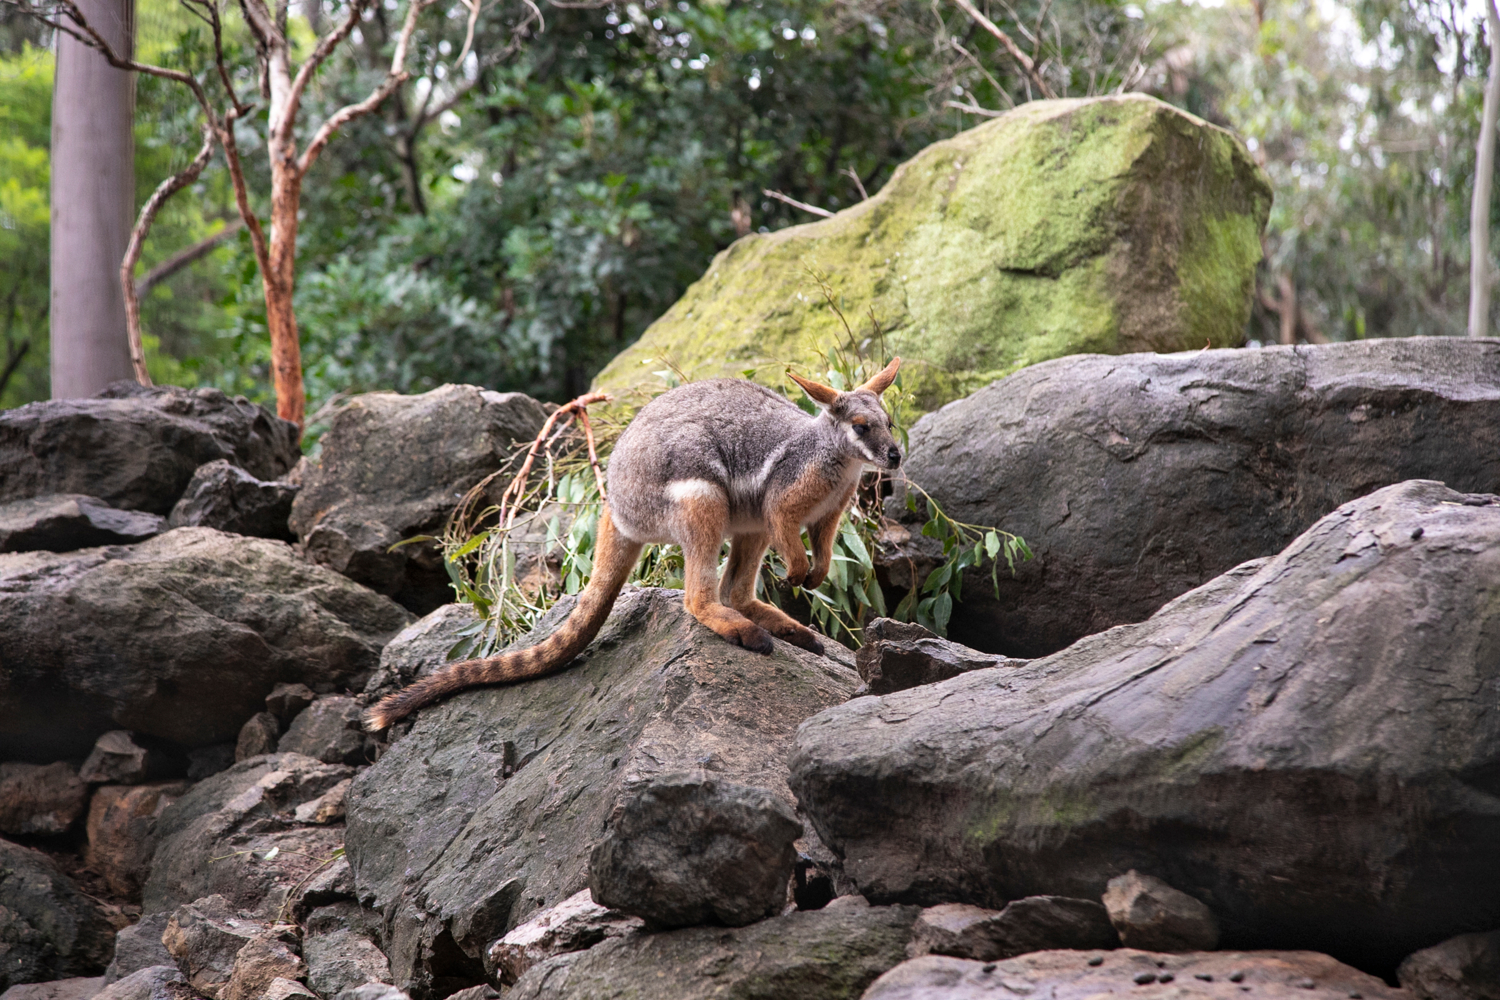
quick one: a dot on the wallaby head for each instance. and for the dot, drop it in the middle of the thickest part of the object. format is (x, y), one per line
(860, 415)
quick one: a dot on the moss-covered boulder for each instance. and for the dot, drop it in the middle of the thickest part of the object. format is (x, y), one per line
(1103, 225)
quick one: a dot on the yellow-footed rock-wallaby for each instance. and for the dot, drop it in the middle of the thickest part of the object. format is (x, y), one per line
(709, 460)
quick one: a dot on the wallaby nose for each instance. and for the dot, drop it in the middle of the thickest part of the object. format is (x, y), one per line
(893, 456)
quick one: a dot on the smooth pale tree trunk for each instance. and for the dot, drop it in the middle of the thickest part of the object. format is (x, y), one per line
(93, 195)
(1484, 177)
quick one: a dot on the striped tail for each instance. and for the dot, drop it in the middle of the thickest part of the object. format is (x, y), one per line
(614, 558)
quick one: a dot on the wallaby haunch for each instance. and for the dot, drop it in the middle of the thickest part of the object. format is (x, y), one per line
(705, 461)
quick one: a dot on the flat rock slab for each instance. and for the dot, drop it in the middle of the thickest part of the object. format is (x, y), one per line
(900, 655)
(392, 467)
(62, 522)
(1036, 923)
(79, 988)
(48, 928)
(1307, 744)
(1141, 975)
(136, 448)
(1137, 478)
(486, 811)
(180, 637)
(829, 954)
(572, 925)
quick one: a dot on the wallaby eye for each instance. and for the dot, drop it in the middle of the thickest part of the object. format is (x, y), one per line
(861, 429)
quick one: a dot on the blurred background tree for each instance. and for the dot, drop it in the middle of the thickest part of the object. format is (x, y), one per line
(515, 218)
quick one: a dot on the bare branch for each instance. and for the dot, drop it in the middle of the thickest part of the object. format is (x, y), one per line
(394, 78)
(973, 109)
(163, 191)
(814, 209)
(1021, 58)
(854, 176)
(242, 193)
(324, 49)
(188, 255)
(958, 47)
(473, 6)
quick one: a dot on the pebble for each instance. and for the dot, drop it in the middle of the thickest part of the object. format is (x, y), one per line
(988, 968)
(1306, 984)
(1206, 977)
(1165, 977)
(1143, 978)
(1237, 976)
(1097, 960)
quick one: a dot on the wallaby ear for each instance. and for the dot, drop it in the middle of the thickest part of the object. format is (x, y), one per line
(882, 379)
(821, 394)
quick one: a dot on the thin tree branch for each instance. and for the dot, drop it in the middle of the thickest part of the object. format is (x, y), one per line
(324, 49)
(854, 176)
(973, 109)
(814, 209)
(958, 46)
(188, 255)
(1025, 61)
(163, 191)
(396, 77)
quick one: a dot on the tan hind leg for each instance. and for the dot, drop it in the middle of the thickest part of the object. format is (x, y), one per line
(701, 521)
(738, 591)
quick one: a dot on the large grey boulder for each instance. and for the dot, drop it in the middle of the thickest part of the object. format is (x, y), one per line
(392, 467)
(236, 835)
(829, 954)
(1137, 478)
(136, 448)
(48, 928)
(1307, 744)
(62, 522)
(487, 810)
(180, 637)
(687, 849)
(1073, 975)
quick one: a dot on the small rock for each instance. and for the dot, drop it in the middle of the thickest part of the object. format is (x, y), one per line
(1305, 984)
(481, 992)
(139, 947)
(900, 655)
(1035, 923)
(64, 522)
(1151, 915)
(120, 832)
(572, 925)
(115, 760)
(373, 991)
(158, 982)
(339, 955)
(1466, 967)
(205, 937)
(40, 799)
(1142, 978)
(257, 736)
(79, 988)
(688, 849)
(223, 496)
(48, 928)
(326, 808)
(286, 700)
(287, 989)
(257, 965)
(329, 730)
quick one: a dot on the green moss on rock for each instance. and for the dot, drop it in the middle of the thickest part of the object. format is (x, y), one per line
(1104, 225)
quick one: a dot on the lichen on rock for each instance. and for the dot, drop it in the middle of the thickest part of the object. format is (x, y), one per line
(1103, 225)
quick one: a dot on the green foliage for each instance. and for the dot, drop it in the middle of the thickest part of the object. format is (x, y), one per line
(25, 137)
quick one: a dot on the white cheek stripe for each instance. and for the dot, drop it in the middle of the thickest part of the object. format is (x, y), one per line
(859, 443)
(685, 489)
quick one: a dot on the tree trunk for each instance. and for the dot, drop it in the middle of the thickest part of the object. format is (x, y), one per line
(1484, 176)
(93, 198)
(279, 283)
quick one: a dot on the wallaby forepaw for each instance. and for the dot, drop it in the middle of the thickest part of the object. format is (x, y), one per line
(797, 575)
(815, 578)
(807, 639)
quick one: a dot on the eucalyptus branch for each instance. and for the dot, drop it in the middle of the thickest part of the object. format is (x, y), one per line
(1022, 59)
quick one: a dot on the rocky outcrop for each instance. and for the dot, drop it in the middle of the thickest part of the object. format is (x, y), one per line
(392, 467)
(37, 799)
(221, 495)
(1072, 975)
(900, 655)
(1036, 923)
(487, 811)
(236, 835)
(48, 928)
(1466, 967)
(1303, 744)
(1111, 224)
(180, 637)
(687, 849)
(136, 448)
(829, 954)
(1137, 478)
(62, 522)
